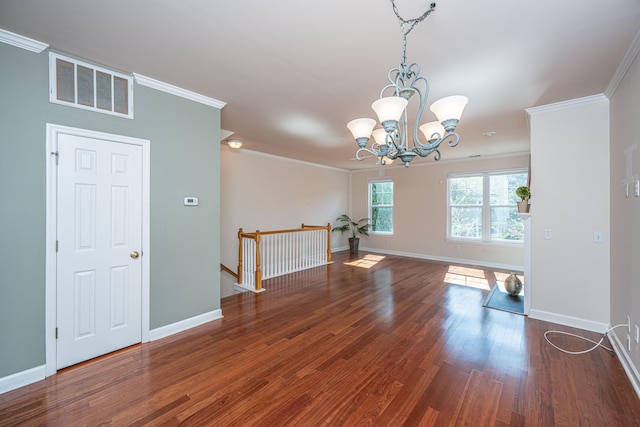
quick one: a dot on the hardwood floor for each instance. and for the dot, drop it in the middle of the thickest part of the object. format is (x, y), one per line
(369, 340)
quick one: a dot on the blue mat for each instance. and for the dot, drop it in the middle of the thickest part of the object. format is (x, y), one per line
(503, 301)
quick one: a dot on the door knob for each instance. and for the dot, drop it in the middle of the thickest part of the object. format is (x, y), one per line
(134, 254)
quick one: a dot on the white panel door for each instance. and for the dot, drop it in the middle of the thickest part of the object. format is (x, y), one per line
(99, 233)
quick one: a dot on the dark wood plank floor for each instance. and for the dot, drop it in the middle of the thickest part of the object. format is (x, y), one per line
(373, 340)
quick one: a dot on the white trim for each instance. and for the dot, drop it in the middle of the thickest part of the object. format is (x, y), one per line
(288, 159)
(625, 360)
(21, 379)
(574, 322)
(629, 56)
(177, 91)
(563, 105)
(22, 42)
(224, 134)
(183, 325)
(509, 267)
(240, 288)
(446, 161)
(52, 133)
(53, 87)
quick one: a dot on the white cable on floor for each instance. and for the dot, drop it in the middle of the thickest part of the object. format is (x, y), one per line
(597, 344)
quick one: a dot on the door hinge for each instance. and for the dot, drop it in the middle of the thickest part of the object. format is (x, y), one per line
(56, 246)
(56, 332)
(57, 154)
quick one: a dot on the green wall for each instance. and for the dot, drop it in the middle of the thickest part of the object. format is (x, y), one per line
(185, 161)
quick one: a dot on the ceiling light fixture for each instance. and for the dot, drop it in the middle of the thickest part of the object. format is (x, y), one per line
(234, 143)
(405, 80)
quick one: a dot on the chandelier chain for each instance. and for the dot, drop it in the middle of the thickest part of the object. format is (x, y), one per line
(411, 23)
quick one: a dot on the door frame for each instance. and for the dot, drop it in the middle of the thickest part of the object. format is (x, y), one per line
(53, 132)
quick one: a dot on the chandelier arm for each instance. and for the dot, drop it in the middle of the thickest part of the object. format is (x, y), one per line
(377, 153)
(393, 139)
(425, 153)
(366, 150)
(452, 139)
(423, 102)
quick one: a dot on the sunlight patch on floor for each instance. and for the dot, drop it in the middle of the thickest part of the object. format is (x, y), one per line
(367, 261)
(467, 276)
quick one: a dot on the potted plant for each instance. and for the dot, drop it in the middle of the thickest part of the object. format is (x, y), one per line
(354, 228)
(524, 193)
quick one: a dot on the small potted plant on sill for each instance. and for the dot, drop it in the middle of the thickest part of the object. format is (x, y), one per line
(355, 228)
(524, 193)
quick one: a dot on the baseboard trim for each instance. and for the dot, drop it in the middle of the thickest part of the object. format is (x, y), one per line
(21, 379)
(239, 288)
(183, 325)
(625, 360)
(471, 262)
(574, 322)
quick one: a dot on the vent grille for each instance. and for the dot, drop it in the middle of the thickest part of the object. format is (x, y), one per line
(78, 84)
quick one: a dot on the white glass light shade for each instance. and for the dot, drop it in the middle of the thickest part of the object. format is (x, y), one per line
(428, 129)
(380, 135)
(389, 108)
(234, 143)
(450, 107)
(361, 128)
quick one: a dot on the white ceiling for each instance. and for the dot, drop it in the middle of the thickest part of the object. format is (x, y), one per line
(293, 72)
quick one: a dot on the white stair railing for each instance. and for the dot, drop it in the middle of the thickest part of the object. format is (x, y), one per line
(266, 254)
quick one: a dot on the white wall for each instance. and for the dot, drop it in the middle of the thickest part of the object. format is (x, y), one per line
(264, 192)
(625, 213)
(570, 188)
(420, 217)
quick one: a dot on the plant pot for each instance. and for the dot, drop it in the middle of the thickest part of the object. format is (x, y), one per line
(523, 206)
(353, 245)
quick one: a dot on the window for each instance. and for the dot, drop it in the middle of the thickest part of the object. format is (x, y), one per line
(482, 206)
(85, 86)
(381, 206)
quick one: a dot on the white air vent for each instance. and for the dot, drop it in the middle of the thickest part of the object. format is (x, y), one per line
(78, 84)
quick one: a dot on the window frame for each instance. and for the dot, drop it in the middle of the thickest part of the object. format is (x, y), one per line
(370, 205)
(485, 237)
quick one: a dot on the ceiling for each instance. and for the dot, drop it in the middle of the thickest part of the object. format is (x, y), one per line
(293, 73)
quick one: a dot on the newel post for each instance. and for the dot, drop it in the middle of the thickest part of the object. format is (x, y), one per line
(240, 257)
(329, 242)
(258, 271)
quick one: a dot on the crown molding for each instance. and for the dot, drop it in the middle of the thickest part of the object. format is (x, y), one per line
(287, 159)
(444, 161)
(629, 56)
(177, 91)
(566, 104)
(22, 42)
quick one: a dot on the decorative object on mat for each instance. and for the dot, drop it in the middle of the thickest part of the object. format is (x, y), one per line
(512, 285)
(500, 300)
(524, 193)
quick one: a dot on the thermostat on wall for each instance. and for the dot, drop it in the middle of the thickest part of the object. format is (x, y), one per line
(191, 201)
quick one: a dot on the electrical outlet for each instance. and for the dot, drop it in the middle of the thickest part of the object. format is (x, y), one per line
(637, 335)
(629, 342)
(548, 234)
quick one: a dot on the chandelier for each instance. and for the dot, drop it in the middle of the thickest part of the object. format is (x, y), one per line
(392, 140)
